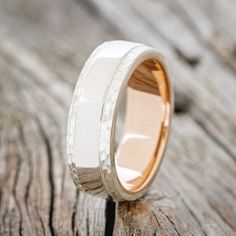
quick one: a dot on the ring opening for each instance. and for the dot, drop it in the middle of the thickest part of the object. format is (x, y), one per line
(142, 125)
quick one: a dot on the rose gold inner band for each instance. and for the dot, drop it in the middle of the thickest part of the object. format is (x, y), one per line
(142, 125)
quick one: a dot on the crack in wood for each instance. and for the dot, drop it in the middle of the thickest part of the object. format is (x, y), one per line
(41, 222)
(171, 221)
(191, 61)
(110, 214)
(50, 175)
(158, 223)
(182, 104)
(28, 185)
(16, 178)
(74, 211)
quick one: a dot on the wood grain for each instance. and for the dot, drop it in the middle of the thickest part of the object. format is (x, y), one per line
(43, 45)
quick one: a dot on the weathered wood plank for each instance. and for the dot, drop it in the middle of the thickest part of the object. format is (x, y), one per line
(43, 46)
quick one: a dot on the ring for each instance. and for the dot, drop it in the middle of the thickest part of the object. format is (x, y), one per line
(119, 121)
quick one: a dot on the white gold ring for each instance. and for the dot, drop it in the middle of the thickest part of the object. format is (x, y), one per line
(119, 120)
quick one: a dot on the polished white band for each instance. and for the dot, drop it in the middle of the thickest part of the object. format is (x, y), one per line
(90, 134)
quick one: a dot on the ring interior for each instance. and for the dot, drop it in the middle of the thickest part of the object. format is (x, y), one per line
(142, 125)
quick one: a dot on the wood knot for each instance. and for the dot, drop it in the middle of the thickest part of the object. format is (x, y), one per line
(192, 61)
(182, 104)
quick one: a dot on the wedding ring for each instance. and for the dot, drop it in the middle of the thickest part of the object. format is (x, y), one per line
(119, 121)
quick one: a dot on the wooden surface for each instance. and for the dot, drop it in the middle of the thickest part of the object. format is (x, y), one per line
(43, 45)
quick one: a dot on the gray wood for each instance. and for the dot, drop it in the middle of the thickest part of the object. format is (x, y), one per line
(43, 45)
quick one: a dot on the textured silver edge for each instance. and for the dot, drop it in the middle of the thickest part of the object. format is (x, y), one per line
(107, 162)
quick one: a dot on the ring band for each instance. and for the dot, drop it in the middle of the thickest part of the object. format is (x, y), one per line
(119, 120)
